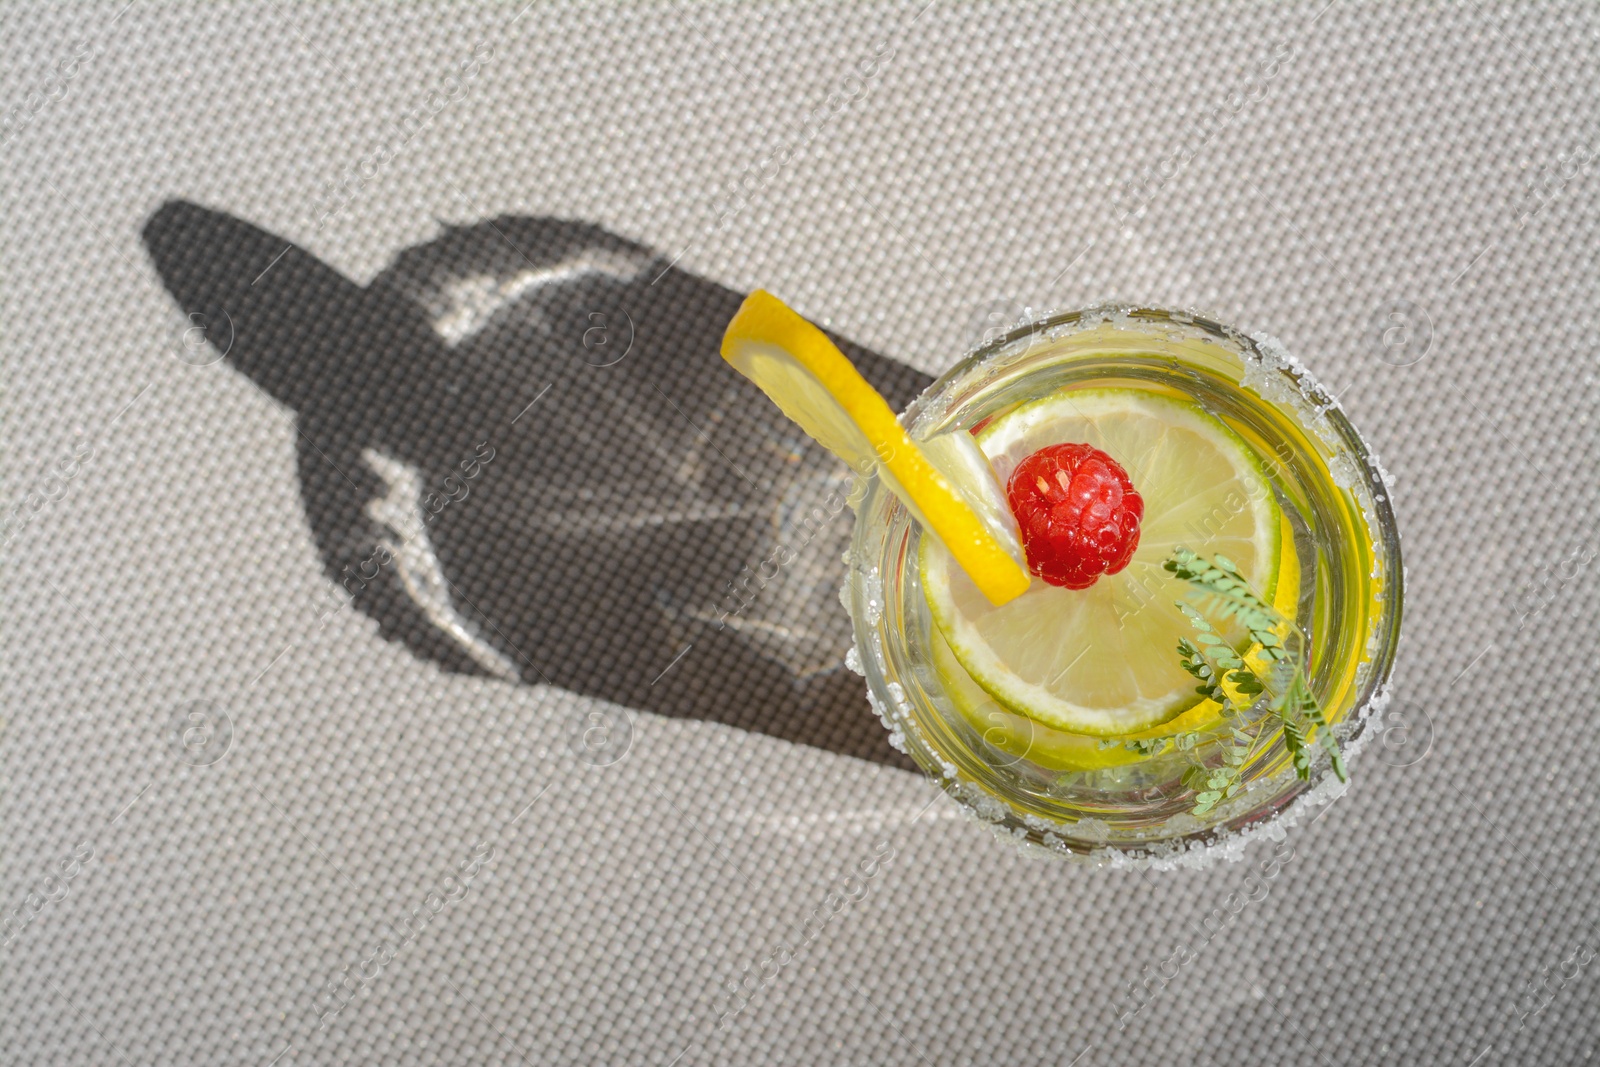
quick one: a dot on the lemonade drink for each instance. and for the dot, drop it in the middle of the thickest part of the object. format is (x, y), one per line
(1066, 714)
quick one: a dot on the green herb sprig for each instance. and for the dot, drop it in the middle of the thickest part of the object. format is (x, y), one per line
(1210, 659)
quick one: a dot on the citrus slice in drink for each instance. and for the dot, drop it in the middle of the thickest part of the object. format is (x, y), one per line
(1058, 750)
(1102, 661)
(1023, 738)
(817, 387)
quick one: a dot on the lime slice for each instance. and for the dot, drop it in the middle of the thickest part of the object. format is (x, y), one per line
(1101, 661)
(1022, 738)
(816, 385)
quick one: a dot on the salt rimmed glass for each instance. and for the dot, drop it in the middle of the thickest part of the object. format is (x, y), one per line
(1328, 485)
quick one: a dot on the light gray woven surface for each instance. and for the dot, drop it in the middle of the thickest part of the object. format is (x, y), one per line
(1374, 154)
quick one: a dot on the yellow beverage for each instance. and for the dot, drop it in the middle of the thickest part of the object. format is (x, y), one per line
(1065, 716)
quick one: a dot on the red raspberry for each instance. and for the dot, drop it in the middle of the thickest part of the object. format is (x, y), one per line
(1078, 512)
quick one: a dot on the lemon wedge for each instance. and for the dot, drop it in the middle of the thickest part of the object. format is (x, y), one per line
(817, 386)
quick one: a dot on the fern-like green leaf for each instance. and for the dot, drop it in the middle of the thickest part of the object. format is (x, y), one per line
(1209, 658)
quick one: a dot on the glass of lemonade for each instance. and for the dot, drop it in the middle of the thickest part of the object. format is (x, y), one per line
(1067, 718)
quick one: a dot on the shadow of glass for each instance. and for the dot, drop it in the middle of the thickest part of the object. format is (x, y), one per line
(520, 453)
